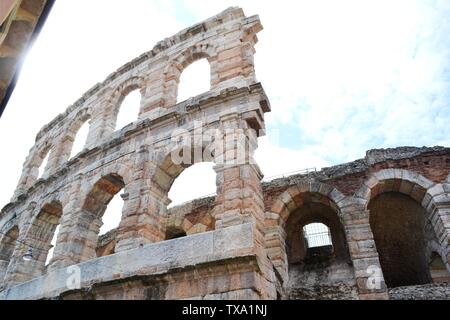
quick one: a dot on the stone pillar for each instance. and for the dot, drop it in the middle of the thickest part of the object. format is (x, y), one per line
(3, 268)
(363, 253)
(77, 239)
(73, 225)
(144, 210)
(439, 215)
(19, 270)
(239, 193)
(275, 240)
(153, 98)
(32, 164)
(233, 65)
(97, 124)
(142, 219)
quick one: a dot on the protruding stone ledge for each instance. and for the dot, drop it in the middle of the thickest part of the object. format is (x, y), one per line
(151, 259)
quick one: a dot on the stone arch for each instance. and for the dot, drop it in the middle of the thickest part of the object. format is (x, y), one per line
(398, 180)
(69, 136)
(80, 226)
(288, 202)
(413, 193)
(118, 95)
(438, 270)
(426, 193)
(30, 171)
(298, 206)
(174, 159)
(93, 207)
(43, 227)
(189, 219)
(8, 243)
(37, 236)
(160, 179)
(175, 67)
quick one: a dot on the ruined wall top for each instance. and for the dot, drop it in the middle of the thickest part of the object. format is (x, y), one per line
(373, 157)
(166, 50)
(225, 40)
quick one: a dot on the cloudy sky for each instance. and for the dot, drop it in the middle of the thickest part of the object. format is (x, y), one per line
(342, 76)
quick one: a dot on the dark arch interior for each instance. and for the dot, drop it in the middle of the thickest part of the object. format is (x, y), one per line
(173, 233)
(398, 224)
(322, 272)
(313, 212)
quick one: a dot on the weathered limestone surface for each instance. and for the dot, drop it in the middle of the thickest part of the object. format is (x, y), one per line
(149, 260)
(244, 243)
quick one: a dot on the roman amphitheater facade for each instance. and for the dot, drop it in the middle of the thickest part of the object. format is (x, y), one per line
(388, 214)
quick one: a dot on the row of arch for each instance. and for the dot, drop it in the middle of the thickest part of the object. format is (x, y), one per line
(394, 218)
(400, 208)
(125, 104)
(85, 222)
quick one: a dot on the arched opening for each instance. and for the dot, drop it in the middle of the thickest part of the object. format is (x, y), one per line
(314, 227)
(52, 246)
(194, 80)
(95, 206)
(41, 233)
(173, 233)
(182, 180)
(319, 264)
(398, 223)
(197, 181)
(43, 163)
(438, 271)
(111, 218)
(129, 108)
(7, 245)
(113, 214)
(80, 139)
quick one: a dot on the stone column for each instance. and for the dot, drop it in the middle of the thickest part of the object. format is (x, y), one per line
(3, 268)
(239, 193)
(19, 270)
(145, 208)
(31, 166)
(142, 219)
(437, 204)
(275, 240)
(153, 96)
(73, 226)
(363, 253)
(234, 65)
(77, 239)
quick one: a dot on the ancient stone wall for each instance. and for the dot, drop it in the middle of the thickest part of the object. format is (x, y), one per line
(243, 242)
